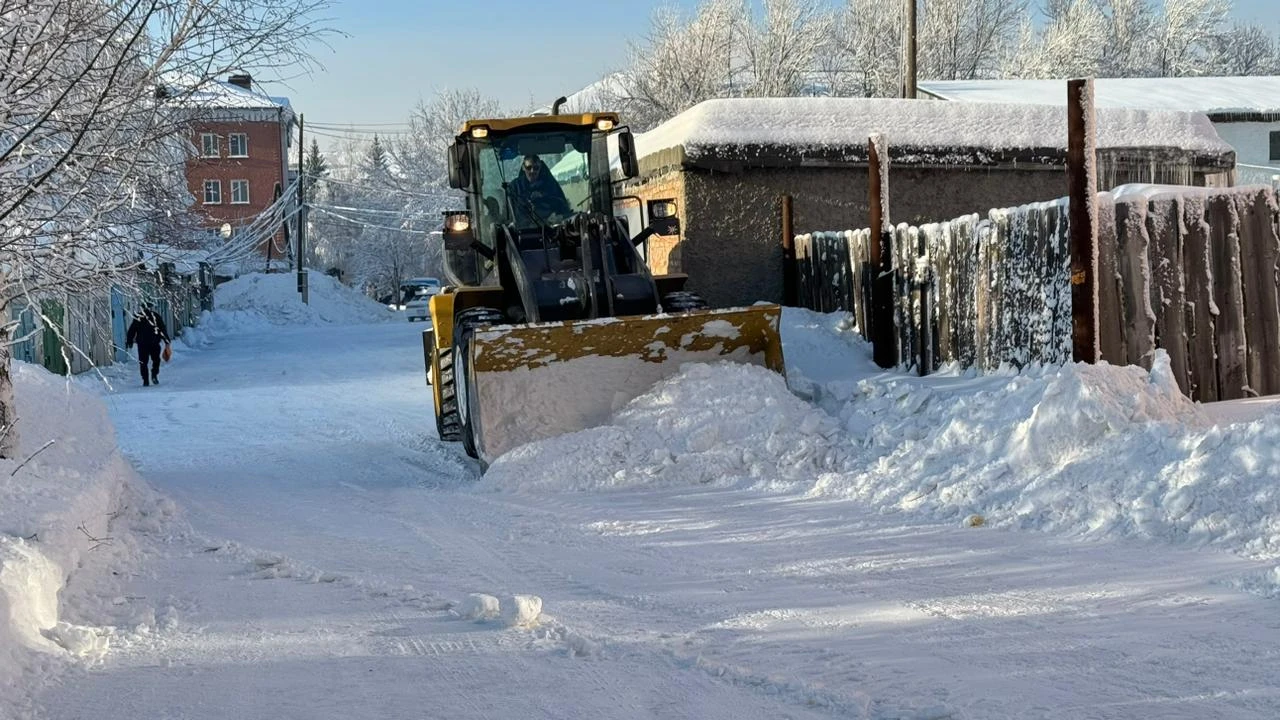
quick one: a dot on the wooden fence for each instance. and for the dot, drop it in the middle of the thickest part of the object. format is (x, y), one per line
(71, 334)
(1193, 271)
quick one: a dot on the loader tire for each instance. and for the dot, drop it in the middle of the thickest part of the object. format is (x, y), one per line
(464, 326)
(448, 424)
(683, 301)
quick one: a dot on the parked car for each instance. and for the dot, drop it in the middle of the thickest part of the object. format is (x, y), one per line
(419, 305)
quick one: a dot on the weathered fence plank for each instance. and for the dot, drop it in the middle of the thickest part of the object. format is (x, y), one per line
(1168, 289)
(1233, 363)
(1258, 249)
(1110, 312)
(1139, 320)
(1201, 322)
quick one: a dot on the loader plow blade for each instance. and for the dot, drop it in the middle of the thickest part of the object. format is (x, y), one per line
(530, 382)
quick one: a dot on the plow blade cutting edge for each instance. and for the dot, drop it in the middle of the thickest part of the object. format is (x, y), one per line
(530, 382)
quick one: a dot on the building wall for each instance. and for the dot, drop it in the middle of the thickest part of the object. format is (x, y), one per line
(264, 168)
(663, 251)
(1252, 141)
(732, 228)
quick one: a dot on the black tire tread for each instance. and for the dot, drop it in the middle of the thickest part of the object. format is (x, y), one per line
(464, 324)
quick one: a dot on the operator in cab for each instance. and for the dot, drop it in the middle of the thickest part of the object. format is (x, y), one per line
(536, 196)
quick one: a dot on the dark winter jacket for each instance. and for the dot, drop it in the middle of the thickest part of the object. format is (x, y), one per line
(545, 194)
(147, 330)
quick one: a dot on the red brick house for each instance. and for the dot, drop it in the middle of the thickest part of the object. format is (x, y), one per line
(242, 139)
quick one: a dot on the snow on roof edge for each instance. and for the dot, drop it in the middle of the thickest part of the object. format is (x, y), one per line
(1256, 94)
(848, 122)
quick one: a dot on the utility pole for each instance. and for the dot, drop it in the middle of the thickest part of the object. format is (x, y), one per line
(302, 216)
(1082, 193)
(909, 87)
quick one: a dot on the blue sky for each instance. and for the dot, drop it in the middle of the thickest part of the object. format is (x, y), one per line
(398, 51)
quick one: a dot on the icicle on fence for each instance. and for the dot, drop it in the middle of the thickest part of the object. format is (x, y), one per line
(1193, 271)
(996, 289)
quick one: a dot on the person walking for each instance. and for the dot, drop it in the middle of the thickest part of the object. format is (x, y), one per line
(148, 331)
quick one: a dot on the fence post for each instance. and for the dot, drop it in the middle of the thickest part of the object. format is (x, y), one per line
(788, 255)
(883, 290)
(1082, 191)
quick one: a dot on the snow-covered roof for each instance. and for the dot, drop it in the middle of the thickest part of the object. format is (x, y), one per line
(844, 124)
(224, 99)
(599, 96)
(1214, 96)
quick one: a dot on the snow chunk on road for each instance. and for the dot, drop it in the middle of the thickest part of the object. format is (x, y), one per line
(273, 299)
(521, 610)
(479, 607)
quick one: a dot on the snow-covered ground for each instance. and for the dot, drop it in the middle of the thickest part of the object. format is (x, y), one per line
(1056, 543)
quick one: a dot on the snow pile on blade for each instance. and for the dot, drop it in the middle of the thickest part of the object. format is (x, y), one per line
(273, 299)
(722, 423)
(1095, 451)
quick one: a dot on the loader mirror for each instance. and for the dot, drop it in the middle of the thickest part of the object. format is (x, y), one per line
(459, 166)
(662, 217)
(457, 230)
(627, 155)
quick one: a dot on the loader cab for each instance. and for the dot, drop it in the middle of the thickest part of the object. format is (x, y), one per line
(573, 160)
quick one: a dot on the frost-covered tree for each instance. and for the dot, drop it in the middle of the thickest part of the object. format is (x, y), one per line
(93, 136)
(1140, 38)
(966, 39)
(782, 50)
(1068, 46)
(868, 48)
(682, 61)
(1187, 37)
(369, 223)
(1245, 49)
(421, 153)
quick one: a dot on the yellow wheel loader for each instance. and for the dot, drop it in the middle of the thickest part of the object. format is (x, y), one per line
(550, 318)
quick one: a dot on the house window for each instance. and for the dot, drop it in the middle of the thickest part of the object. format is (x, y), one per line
(212, 192)
(1275, 144)
(238, 145)
(239, 192)
(209, 145)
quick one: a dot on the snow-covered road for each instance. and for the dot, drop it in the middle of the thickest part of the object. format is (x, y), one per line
(332, 534)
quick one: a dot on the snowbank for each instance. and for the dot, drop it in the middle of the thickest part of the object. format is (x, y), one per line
(1089, 450)
(67, 519)
(272, 299)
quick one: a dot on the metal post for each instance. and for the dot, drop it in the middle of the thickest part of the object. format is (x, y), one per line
(789, 269)
(883, 294)
(1082, 192)
(302, 215)
(909, 88)
(876, 204)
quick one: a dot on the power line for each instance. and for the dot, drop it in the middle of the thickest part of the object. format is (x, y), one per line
(409, 193)
(333, 124)
(368, 225)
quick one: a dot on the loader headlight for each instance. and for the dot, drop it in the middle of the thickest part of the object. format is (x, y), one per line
(604, 124)
(479, 131)
(457, 222)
